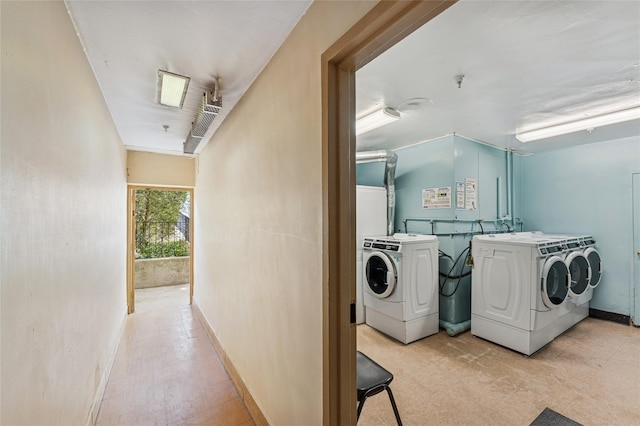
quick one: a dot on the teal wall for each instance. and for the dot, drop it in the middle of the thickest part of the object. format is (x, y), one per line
(584, 189)
(587, 189)
(442, 163)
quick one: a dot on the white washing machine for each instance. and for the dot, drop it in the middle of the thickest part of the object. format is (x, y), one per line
(585, 267)
(587, 244)
(400, 280)
(520, 284)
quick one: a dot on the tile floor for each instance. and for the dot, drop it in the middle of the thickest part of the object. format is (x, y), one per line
(167, 373)
(590, 374)
(166, 370)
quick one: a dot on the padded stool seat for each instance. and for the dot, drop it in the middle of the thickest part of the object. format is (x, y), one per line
(371, 380)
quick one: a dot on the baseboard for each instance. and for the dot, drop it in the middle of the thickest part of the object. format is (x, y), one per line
(104, 378)
(609, 316)
(258, 418)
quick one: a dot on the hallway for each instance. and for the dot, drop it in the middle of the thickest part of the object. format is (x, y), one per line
(167, 372)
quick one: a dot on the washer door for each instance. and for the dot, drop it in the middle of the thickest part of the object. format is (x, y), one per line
(580, 273)
(595, 263)
(380, 274)
(556, 280)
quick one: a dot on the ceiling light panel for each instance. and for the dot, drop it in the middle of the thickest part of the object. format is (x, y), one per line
(588, 123)
(376, 119)
(173, 88)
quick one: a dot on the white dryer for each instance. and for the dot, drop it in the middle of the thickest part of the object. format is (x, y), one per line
(585, 267)
(520, 284)
(400, 280)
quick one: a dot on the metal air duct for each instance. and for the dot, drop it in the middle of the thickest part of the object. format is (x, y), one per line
(209, 107)
(390, 158)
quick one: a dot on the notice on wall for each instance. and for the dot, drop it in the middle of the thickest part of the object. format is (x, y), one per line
(436, 198)
(471, 194)
(460, 195)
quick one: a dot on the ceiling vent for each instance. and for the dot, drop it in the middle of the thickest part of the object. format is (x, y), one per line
(209, 108)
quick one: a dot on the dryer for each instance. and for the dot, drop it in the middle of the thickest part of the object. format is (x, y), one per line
(520, 284)
(400, 281)
(585, 267)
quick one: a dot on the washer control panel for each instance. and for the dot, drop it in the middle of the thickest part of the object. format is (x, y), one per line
(384, 245)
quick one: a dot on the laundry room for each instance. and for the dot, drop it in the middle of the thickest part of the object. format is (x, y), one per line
(535, 274)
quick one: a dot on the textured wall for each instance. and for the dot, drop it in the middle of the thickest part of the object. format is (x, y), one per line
(148, 168)
(587, 189)
(258, 224)
(161, 271)
(63, 222)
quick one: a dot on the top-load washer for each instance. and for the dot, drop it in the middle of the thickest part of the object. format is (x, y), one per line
(520, 284)
(400, 280)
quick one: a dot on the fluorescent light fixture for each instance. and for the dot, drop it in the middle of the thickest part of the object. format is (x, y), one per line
(588, 123)
(173, 88)
(376, 119)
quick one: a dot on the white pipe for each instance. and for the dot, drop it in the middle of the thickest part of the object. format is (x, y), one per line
(499, 197)
(510, 212)
(390, 158)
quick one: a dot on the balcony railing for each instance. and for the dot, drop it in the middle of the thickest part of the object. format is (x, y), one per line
(162, 239)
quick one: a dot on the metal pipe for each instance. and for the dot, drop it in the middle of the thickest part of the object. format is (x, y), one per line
(421, 219)
(391, 159)
(495, 222)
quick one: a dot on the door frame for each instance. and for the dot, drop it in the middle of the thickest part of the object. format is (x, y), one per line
(131, 235)
(382, 27)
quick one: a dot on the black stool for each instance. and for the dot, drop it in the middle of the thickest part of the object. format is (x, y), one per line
(373, 379)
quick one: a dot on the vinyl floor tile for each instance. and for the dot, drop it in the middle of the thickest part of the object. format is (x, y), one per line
(166, 370)
(591, 374)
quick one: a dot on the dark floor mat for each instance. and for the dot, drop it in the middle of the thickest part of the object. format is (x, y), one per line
(548, 417)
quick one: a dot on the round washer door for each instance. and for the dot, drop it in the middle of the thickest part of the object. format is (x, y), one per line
(595, 263)
(556, 280)
(580, 273)
(380, 273)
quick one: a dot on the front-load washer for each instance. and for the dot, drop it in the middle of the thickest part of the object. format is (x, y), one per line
(587, 244)
(577, 263)
(400, 281)
(585, 267)
(520, 284)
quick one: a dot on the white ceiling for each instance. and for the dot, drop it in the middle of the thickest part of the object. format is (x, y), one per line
(524, 62)
(128, 41)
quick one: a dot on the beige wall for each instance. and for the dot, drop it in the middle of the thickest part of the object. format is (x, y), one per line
(258, 223)
(63, 222)
(147, 168)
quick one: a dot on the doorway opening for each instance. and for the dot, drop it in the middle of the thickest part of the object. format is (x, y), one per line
(385, 25)
(160, 241)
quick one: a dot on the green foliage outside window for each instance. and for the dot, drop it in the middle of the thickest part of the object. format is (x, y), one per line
(160, 232)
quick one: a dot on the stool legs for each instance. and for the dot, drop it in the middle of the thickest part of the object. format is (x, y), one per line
(395, 408)
(393, 405)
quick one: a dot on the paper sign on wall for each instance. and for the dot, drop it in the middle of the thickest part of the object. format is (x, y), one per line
(471, 194)
(436, 198)
(460, 195)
